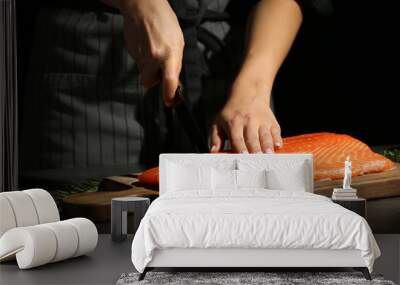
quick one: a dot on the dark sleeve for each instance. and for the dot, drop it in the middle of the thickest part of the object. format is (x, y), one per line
(319, 7)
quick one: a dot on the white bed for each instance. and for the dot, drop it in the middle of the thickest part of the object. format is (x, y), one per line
(202, 220)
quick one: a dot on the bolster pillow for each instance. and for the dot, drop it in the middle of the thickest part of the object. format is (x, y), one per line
(40, 244)
(26, 208)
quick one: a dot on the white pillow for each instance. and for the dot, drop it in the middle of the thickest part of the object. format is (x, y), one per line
(227, 179)
(188, 177)
(222, 163)
(224, 179)
(280, 174)
(251, 178)
(288, 179)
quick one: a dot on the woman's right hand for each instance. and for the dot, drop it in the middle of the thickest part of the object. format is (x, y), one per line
(155, 41)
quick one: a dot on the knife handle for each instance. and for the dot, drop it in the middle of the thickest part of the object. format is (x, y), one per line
(178, 98)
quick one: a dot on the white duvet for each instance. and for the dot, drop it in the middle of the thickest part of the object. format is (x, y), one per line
(250, 219)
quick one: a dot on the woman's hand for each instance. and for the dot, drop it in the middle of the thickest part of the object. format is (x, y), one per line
(155, 41)
(247, 120)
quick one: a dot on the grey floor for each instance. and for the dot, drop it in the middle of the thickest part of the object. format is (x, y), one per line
(110, 260)
(102, 266)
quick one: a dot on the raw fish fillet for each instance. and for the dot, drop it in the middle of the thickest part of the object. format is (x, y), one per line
(329, 150)
(150, 176)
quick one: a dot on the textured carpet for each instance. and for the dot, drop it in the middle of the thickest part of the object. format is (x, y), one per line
(243, 278)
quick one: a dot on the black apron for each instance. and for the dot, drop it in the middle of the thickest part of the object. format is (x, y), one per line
(84, 111)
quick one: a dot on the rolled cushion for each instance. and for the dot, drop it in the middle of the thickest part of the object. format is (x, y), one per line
(41, 244)
(67, 240)
(45, 205)
(23, 208)
(26, 208)
(7, 218)
(33, 246)
(87, 235)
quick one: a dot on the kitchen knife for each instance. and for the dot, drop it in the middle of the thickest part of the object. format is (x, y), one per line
(188, 122)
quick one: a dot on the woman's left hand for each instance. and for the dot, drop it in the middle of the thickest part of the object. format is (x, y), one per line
(247, 120)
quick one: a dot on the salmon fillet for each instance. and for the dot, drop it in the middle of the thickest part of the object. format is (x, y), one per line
(329, 150)
(150, 176)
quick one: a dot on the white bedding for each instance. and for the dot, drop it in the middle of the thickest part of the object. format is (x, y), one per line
(251, 218)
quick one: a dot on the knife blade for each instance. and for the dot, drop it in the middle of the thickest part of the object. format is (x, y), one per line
(188, 122)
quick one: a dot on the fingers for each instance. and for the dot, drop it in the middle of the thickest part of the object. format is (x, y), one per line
(235, 132)
(266, 140)
(276, 136)
(150, 75)
(170, 78)
(217, 139)
(252, 137)
(246, 133)
(155, 40)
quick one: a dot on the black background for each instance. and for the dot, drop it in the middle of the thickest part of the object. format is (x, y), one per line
(340, 76)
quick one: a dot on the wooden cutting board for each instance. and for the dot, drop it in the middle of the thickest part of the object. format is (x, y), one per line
(370, 186)
(96, 205)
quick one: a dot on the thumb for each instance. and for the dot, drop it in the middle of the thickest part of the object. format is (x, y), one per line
(170, 78)
(216, 139)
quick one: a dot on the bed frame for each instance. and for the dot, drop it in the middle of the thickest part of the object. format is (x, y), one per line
(242, 259)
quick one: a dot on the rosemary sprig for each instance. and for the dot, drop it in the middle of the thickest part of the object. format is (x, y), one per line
(393, 154)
